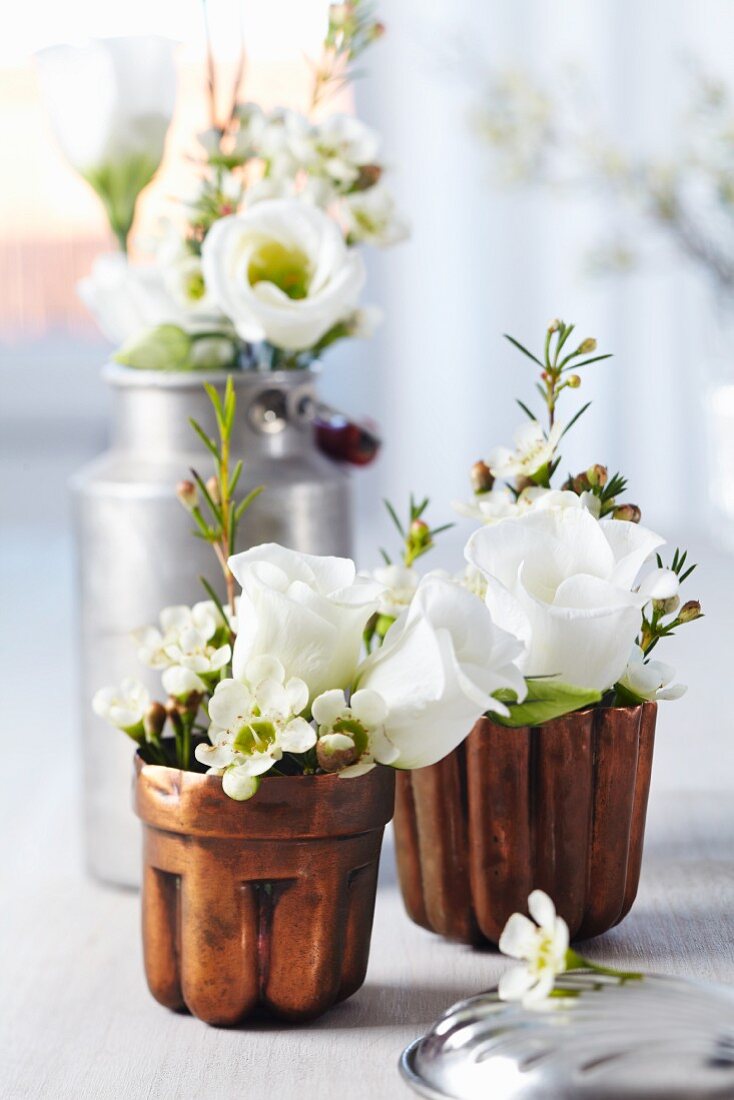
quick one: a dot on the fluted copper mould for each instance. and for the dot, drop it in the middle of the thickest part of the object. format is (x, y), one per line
(559, 807)
(262, 906)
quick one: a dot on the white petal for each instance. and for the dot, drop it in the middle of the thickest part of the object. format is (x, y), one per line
(214, 756)
(542, 910)
(542, 988)
(514, 983)
(368, 707)
(661, 584)
(230, 703)
(519, 937)
(181, 682)
(673, 692)
(264, 668)
(353, 771)
(298, 736)
(272, 698)
(297, 692)
(329, 706)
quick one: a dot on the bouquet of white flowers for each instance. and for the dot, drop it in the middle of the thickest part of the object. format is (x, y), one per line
(264, 268)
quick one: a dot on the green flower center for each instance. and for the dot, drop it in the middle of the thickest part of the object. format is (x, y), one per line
(256, 736)
(195, 286)
(286, 268)
(355, 730)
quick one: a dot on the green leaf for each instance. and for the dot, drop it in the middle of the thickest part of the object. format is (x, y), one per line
(215, 508)
(574, 418)
(394, 517)
(385, 557)
(525, 409)
(208, 443)
(587, 362)
(213, 597)
(245, 504)
(235, 477)
(567, 330)
(524, 350)
(545, 700)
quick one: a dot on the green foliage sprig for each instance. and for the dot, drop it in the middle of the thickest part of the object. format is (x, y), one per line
(417, 536)
(217, 495)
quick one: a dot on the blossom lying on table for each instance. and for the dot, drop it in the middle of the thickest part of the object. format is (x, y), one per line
(541, 947)
(566, 569)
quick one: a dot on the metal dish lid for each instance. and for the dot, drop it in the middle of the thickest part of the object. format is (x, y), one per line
(609, 1039)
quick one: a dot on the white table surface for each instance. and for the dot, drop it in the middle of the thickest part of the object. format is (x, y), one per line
(77, 1021)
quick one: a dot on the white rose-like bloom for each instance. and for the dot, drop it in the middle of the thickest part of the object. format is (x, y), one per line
(437, 671)
(125, 299)
(542, 947)
(563, 581)
(308, 611)
(282, 272)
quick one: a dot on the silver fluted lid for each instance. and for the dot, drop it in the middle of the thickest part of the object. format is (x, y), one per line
(607, 1040)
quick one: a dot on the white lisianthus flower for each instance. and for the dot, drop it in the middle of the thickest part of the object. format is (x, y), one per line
(564, 583)
(399, 583)
(437, 671)
(111, 103)
(282, 272)
(254, 721)
(542, 947)
(308, 611)
(646, 679)
(533, 450)
(370, 217)
(352, 736)
(125, 299)
(123, 707)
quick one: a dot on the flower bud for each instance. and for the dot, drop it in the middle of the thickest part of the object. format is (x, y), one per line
(588, 345)
(573, 382)
(690, 612)
(212, 488)
(369, 175)
(554, 325)
(629, 512)
(666, 607)
(154, 720)
(180, 705)
(579, 484)
(377, 30)
(335, 751)
(188, 494)
(597, 476)
(481, 477)
(419, 534)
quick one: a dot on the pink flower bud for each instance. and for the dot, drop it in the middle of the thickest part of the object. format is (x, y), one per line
(690, 612)
(481, 477)
(188, 494)
(629, 512)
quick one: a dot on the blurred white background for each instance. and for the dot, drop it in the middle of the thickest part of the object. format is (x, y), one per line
(438, 377)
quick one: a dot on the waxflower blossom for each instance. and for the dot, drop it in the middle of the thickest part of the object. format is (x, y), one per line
(647, 679)
(124, 707)
(254, 721)
(534, 450)
(352, 736)
(541, 947)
